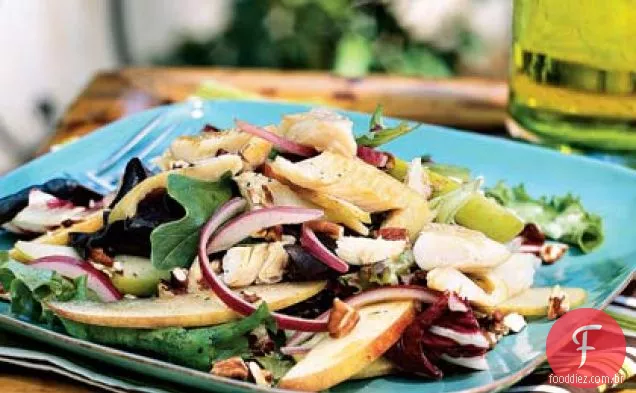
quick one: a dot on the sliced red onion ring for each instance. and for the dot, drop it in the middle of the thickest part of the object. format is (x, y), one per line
(229, 297)
(256, 220)
(371, 296)
(281, 143)
(373, 157)
(73, 268)
(314, 246)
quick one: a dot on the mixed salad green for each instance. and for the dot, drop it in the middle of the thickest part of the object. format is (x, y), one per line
(258, 253)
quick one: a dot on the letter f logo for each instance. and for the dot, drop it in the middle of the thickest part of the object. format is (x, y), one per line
(584, 347)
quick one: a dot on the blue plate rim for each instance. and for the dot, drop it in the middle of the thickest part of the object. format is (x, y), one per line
(498, 384)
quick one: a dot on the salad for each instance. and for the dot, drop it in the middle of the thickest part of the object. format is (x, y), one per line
(293, 255)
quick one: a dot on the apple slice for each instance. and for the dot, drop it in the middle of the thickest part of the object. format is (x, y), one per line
(533, 302)
(183, 310)
(334, 360)
(381, 366)
(60, 236)
(26, 252)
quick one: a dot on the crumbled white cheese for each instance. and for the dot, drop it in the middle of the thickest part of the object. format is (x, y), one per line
(515, 322)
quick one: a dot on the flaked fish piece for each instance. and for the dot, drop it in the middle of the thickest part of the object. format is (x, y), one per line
(186, 150)
(259, 190)
(445, 245)
(322, 129)
(349, 179)
(490, 288)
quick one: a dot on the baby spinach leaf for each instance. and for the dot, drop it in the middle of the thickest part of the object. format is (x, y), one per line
(197, 348)
(174, 244)
(379, 134)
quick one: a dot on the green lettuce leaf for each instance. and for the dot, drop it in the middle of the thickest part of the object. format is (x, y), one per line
(561, 218)
(30, 288)
(387, 272)
(275, 363)
(447, 205)
(174, 244)
(198, 348)
(379, 135)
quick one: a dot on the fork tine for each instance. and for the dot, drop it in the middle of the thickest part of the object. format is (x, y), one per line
(157, 141)
(88, 182)
(129, 145)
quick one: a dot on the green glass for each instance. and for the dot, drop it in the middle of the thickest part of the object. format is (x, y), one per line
(573, 72)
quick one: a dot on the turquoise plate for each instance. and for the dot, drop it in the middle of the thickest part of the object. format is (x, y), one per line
(605, 189)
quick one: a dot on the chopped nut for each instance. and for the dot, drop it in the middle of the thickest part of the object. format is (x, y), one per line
(261, 377)
(272, 234)
(497, 325)
(342, 319)
(558, 303)
(329, 228)
(233, 367)
(164, 291)
(552, 252)
(250, 296)
(98, 255)
(178, 164)
(216, 266)
(392, 233)
(268, 196)
(515, 322)
(492, 338)
(196, 282)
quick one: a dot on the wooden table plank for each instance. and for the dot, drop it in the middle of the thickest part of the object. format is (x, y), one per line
(463, 102)
(20, 380)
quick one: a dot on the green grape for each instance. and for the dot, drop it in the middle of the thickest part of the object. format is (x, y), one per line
(138, 277)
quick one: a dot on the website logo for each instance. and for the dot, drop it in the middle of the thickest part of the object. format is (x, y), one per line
(586, 348)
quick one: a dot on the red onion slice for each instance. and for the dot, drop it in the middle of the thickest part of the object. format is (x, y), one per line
(256, 220)
(73, 268)
(372, 296)
(314, 246)
(373, 157)
(281, 143)
(229, 297)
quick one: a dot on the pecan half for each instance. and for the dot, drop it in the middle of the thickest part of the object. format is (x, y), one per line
(233, 367)
(329, 228)
(271, 234)
(98, 255)
(558, 303)
(552, 252)
(250, 296)
(392, 233)
(342, 319)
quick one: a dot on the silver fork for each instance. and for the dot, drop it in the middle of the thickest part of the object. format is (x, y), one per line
(149, 139)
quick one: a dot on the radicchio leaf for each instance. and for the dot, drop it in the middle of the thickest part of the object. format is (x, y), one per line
(132, 235)
(65, 189)
(421, 351)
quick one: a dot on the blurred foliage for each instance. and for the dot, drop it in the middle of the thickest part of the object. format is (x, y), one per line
(351, 38)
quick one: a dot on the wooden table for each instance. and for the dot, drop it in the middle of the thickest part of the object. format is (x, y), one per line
(463, 102)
